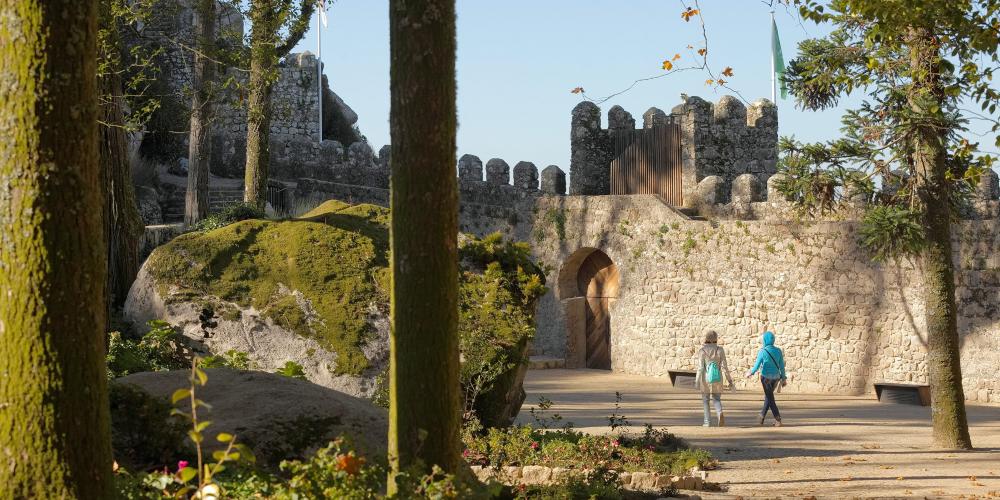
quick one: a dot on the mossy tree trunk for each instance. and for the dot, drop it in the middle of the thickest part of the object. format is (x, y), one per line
(424, 410)
(200, 139)
(54, 430)
(926, 98)
(266, 49)
(122, 223)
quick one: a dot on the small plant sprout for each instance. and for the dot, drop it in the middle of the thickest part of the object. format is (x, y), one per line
(206, 489)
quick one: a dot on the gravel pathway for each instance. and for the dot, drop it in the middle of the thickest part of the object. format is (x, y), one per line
(829, 447)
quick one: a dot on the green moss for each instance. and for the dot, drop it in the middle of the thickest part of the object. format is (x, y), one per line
(318, 276)
(315, 276)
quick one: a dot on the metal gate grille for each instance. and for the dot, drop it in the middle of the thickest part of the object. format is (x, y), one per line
(648, 161)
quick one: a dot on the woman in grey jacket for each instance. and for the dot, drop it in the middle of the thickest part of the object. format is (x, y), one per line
(711, 368)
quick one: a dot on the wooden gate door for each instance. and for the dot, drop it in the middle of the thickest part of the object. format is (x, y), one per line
(598, 282)
(648, 161)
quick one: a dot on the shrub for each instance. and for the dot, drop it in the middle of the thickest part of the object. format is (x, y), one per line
(229, 214)
(162, 348)
(293, 370)
(233, 359)
(653, 451)
(500, 285)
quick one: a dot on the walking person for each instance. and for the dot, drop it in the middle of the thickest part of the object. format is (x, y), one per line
(771, 363)
(711, 366)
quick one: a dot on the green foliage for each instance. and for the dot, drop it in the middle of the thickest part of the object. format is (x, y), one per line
(162, 348)
(600, 483)
(144, 434)
(380, 396)
(236, 360)
(688, 245)
(872, 49)
(890, 232)
(558, 220)
(230, 214)
(334, 471)
(499, 288)
(292, 369)
(653, 450)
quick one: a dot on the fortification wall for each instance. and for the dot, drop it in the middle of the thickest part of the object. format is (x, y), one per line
(844, 321)
(294, 141)
(295, 146)
(724, 139)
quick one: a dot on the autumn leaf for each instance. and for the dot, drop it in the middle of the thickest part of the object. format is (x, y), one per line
(350, 464)
(667, 65)
(689, 13)
(690, 46)
(720, 81)
(676, 57)
(702, 51)
(727, 72)
(578, 90)
(709, 82)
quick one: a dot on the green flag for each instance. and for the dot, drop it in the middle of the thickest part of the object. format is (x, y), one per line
(777, 60)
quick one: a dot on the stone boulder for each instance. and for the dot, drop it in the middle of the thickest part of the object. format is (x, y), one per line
(314, 290)
(290, 418)
(271, 289)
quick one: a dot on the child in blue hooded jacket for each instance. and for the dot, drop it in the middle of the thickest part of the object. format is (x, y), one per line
(771, 363)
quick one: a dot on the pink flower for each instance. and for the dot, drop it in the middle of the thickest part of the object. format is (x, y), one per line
(181, 464)
(615, 443)
(465, 453)
(534, 445)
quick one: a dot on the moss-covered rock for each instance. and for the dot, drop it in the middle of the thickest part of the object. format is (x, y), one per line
(314, 290)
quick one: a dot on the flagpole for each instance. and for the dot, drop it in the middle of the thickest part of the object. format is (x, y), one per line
(319, 69)
(774, 96)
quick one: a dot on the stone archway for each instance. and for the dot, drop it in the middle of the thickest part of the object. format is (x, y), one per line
(588, 287)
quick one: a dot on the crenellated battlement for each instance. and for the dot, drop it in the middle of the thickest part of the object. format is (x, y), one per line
(725, 139)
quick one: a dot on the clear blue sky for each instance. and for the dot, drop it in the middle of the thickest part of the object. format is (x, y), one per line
(519, 59)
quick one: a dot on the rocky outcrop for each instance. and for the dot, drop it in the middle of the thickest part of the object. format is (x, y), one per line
(214, 326)
(290, 418)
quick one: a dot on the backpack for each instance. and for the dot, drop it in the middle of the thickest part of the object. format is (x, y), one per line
(712, 373)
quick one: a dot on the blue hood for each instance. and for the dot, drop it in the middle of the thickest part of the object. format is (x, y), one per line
(768, 338)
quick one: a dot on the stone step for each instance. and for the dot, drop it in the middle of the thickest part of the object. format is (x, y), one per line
(545, 363)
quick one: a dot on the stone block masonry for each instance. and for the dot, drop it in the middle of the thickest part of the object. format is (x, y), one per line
(843, 321)
(725, 139)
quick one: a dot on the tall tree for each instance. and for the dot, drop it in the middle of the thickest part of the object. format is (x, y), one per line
(123, 227)
(54, 429)
(919, 62)
(424, 420)
(199, 142)
(269, 19)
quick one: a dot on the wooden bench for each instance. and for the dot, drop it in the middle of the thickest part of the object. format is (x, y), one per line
(681, 378)
(913, 394)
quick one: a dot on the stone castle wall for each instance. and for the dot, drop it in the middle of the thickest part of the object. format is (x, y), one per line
(844, 321)
(296, 149)
(724, 139)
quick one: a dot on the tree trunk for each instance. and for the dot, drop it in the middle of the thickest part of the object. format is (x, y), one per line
(951, 430)
(424, 411)
(200, 141)
(122, 224)
(262, 65)
(54, 417)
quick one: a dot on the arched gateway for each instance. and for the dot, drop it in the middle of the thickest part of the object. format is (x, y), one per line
(588, 286)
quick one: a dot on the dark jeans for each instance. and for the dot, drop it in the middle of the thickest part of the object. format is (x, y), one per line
(769, 402)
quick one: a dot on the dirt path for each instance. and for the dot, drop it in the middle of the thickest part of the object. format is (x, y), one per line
(830, 446)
